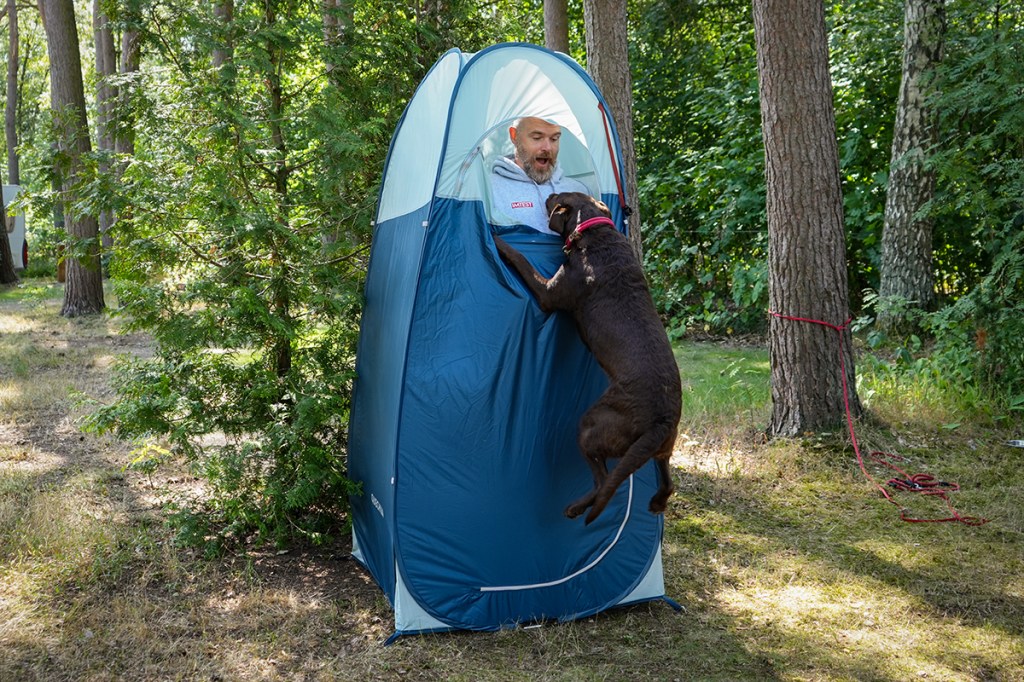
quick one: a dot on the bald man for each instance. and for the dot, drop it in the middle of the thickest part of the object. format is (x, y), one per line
(520, 184)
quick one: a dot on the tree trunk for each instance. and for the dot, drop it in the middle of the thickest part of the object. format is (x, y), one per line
(106, 97)
(124, 133)
(338, 22)
(556, 25)
(7, 273)
(83, 291)
(11, 109)
(807, 253)
(338, 18)
(279, 171)
(8, 276)
(122, 125)
(124, 130)
(906, 267)
(608, 64)
(224, 53)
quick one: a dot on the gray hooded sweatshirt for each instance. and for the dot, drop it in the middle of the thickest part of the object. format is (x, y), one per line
(517, 200)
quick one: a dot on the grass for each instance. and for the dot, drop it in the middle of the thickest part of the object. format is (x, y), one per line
(789, 565)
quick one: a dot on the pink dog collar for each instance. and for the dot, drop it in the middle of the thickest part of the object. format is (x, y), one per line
(599, 220)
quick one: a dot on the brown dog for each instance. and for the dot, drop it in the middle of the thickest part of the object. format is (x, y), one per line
(603, 286)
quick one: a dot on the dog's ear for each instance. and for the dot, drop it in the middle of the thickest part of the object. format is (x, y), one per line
(559, 219)
(559, 211)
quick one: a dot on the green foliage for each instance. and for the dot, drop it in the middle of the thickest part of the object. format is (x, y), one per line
(980, 160)
(701, 154)
(865, 48)
(701, 164)
(241, 244)
(975, 341)
(982, 334)
(975, 347)
(242, 259)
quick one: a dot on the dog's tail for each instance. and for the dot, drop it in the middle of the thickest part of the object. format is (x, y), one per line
(661, 435)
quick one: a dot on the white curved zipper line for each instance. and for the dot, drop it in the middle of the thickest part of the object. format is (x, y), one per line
(618, 534)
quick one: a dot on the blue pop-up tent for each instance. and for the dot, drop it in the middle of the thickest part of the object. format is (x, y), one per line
(467, 396)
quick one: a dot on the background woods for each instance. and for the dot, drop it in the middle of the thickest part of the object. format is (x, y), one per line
(219, 162)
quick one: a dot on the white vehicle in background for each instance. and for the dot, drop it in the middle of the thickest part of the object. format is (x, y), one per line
(16, 229)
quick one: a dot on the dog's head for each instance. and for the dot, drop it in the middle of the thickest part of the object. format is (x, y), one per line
(569, 209)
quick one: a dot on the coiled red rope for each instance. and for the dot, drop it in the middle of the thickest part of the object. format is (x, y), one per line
(924, 484)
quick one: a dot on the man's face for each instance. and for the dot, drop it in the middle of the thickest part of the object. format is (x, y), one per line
(536, 143)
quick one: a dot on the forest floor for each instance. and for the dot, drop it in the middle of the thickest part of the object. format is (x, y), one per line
(787, 562)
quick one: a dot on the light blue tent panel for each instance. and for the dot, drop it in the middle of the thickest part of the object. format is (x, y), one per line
(467, 397)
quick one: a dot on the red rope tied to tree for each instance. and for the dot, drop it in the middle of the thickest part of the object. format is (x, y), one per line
(924, 484)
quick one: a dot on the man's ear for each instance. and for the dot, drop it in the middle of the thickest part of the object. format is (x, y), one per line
(512, 134)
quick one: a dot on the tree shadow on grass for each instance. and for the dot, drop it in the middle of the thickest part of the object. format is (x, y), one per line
(949, 580)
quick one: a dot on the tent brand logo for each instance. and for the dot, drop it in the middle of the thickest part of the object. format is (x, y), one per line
(377, 505)
(522, 204)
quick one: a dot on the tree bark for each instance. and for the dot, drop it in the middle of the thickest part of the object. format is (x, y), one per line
(106, 97)
(556, 25)
(608, 64)
(279, 171)
(224, 54)
(906, 266)
(7, 272)
(83, 291)
(338, 18)
(8, 275)
(124, 130)
(11, 107)
(807, 251)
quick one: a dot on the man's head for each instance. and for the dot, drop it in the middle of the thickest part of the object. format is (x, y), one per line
(536, 143)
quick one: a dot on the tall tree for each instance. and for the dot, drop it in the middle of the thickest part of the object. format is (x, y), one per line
(223, 54)
(106, 98)
(123, 128)
(807, 251)
(7, 273)
(556, 25)
(83, 291)
(608, 64)
(11, 105)
(906, 265)
(339, 19)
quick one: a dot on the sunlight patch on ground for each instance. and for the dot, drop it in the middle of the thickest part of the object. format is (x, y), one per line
(10, 396)
(842, 626)
(716, 461)
(11, 324)
(262, 604)
(18, 454)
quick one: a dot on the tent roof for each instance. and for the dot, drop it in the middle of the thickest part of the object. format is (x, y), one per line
(458, 120)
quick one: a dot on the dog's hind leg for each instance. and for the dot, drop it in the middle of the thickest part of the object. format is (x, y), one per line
(600, 472)
(603, 434)
(659, 502)
(652, 443)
